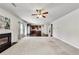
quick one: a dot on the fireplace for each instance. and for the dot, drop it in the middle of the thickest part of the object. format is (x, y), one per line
(5, 41)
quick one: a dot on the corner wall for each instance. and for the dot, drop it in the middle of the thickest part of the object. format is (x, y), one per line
(67, 28)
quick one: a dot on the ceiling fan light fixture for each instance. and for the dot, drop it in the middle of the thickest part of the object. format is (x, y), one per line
(40, 13)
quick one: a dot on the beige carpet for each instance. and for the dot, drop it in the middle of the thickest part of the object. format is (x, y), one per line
(40, 46)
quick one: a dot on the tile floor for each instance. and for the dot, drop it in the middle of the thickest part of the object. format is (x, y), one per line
(41, 46)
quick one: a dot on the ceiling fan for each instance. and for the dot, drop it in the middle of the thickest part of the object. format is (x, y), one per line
(40, 13)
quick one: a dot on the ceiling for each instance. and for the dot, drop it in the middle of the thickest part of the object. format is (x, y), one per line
(25, 10)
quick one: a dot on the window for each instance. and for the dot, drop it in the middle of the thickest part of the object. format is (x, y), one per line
(21, 29)
(25, 30)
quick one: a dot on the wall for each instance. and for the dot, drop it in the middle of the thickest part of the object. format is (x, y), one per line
(67, 28)
(45, 29)
(22, 29)
(14, 23)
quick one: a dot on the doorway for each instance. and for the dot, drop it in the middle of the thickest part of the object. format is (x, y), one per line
(35, 30)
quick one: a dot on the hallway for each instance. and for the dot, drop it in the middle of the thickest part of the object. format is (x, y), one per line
(40, 46)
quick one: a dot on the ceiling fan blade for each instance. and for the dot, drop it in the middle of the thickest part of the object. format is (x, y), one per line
(45, 13)
(37, 10)
(34, 14)
(44, 16)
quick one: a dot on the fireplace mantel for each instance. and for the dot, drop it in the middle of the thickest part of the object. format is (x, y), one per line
(3, 31)
(5, 39)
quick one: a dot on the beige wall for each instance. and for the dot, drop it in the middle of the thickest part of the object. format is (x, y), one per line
(67, 28)
(45, 29)
(14, 23)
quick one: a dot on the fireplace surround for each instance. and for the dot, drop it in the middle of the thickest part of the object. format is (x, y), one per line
(5, 41)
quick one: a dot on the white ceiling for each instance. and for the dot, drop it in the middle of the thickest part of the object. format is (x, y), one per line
(25, 10)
